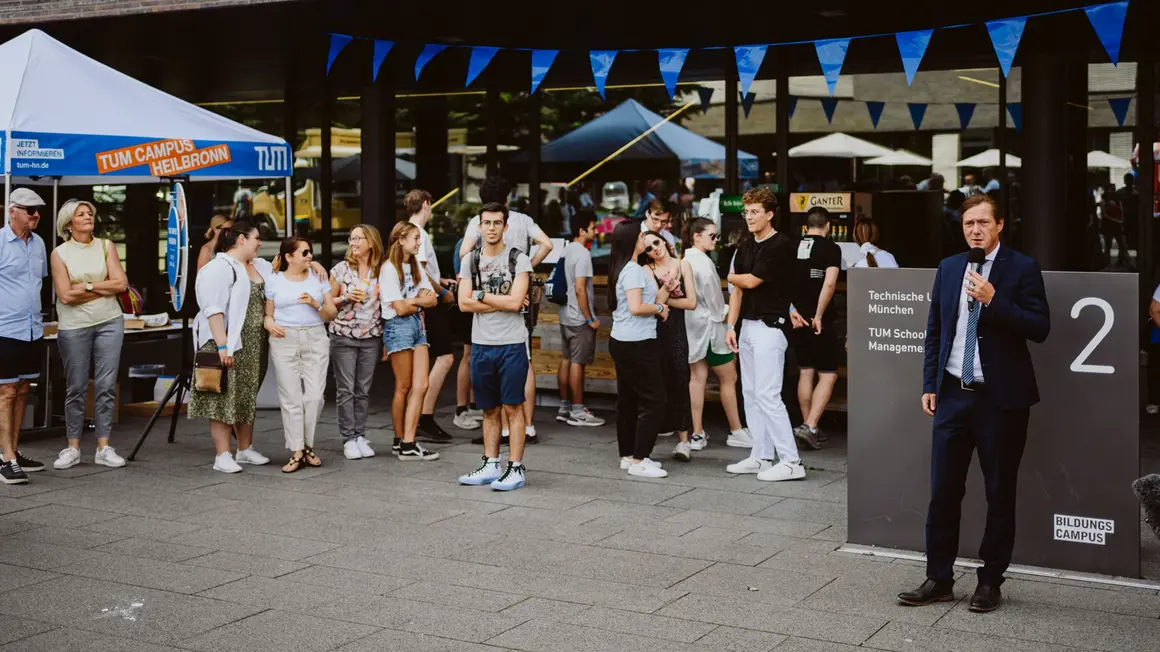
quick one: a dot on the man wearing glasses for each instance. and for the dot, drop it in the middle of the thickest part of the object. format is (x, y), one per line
(23, 267)
(659, 217)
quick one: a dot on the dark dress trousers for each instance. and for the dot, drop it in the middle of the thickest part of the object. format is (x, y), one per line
(992, 417)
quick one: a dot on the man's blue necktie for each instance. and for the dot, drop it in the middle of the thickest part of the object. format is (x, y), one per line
(972, 334)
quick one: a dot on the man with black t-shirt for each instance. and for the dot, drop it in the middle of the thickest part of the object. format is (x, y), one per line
(761, 286)
(817, 348)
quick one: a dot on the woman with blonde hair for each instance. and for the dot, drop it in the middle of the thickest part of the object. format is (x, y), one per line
(404, 292)
(87, 276)
(866, 235)
(297, 305)
(354, 335)
(216, 225)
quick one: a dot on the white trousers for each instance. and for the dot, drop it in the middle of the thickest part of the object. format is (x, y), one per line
(762, 367)
(300, 362)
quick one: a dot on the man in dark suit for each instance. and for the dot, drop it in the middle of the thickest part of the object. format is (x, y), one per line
(979, 385)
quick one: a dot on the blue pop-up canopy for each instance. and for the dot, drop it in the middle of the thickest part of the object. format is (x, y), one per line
(699, 157)
(64, 115)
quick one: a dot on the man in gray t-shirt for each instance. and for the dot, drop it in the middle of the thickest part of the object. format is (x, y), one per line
(578, 324)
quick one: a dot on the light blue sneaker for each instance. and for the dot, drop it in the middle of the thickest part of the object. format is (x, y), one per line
(512, 478)
(487, 473)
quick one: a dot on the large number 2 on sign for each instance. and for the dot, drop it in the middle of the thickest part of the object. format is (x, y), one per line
(1080, 363)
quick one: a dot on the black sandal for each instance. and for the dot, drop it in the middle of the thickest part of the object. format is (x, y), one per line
(311, 458)
(295, 463)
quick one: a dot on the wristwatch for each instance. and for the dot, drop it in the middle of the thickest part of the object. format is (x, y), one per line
(660, 308)
(479, 295)
(89, 286)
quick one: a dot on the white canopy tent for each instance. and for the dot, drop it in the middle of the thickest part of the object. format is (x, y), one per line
(838, 145)
(901, 157)
(989, 159)
(1101, 159)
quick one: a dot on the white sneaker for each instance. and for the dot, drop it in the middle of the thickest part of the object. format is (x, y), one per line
(562, 414)
(465, 422)
(740, 439)
(108, 457)
(251, 456)
(364, 447)
(474, 414)
(351, 451)
(645, 470)
(783, 471)
(226, 464)
(699, 441)
(683, 452)
(67, 459)
(584, 418)
(749, 465)
(667, 434)
(626, 462)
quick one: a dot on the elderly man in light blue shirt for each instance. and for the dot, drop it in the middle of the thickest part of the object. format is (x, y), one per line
(23, 267)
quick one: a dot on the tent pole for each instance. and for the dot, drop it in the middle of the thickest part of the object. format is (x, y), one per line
(7, 146)
(288, 207)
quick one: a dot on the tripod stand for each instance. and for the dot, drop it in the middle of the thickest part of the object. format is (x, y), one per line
(181, 386)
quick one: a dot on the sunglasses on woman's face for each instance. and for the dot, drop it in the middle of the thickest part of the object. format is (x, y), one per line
(711, 236)
(655, 244)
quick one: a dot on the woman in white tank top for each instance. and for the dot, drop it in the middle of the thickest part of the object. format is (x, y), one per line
(87, 276)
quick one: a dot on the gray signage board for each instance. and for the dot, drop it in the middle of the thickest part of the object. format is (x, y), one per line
(1076, 510)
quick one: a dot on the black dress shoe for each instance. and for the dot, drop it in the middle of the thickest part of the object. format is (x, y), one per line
(930, 592)
(986, 598)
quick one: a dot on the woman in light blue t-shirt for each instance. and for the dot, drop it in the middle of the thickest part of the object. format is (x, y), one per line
(640, 387)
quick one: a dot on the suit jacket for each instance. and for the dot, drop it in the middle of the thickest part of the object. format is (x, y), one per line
(1017, 313)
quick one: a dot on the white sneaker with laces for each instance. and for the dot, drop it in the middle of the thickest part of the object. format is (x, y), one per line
(108, 457)
(350, 450)
(562, 414)
(749, 465)
(644, 470)
(740, 439)
(474, 414)
(626, 462)
(783, 471)
(251, 456)
(364, 447)
(584, 418)
(465, 422)
(699, 441)
(226, 464)
(67, 459)
(683, 452)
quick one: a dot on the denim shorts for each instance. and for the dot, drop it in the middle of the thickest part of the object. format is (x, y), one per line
(403, 333)
(498, 374)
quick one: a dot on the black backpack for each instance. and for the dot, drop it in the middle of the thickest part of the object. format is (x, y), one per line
(557, 286)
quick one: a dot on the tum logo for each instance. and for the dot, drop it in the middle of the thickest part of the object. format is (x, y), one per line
(272, 158)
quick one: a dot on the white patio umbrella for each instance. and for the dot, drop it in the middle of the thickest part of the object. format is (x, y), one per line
(989, 159)
(838, 145)
(901, 157)
(1100, 159)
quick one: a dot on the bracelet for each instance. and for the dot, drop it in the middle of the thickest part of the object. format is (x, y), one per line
(223, 348)
(728, 327)
(590, 320)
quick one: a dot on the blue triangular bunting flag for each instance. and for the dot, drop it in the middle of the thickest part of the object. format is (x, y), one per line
(917, 112)
(542, 61)
(671, 62)
(966, 110)
(747, 103)
(480, 57)
(1108, 22)
(1005, 36)
(791, 103)
(875, 111)
(912, 47)
(601, 65)
(1016, 112)
(749, 60)
(1120, 108)
(428, 53)
(706, 94)
(337, 43)
(829, 104)
(831, 55)
(381, 50)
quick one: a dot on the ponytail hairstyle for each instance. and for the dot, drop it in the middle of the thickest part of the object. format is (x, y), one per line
(289, 246)
(692, 228)
(866, 231)
(228, 237)
(395, 251)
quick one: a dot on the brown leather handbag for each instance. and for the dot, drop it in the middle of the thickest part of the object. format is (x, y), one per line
(208, 373)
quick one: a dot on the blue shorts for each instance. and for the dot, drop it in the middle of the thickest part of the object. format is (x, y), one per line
(498, 374)
(403, 333)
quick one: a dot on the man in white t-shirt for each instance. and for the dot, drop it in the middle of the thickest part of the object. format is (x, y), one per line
(493, 284)
(578, 324)
(437, 319)
(658, 217)
(521, 232)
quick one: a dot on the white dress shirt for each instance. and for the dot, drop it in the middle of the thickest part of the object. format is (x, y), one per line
(955, 359)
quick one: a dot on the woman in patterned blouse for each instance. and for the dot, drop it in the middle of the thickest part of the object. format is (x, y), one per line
(356, 336)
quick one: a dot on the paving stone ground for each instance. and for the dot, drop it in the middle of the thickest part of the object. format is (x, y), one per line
(370, 555)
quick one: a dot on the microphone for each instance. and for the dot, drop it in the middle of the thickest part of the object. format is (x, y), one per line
(976, 256)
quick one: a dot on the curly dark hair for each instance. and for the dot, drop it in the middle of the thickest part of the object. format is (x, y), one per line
(494, 189)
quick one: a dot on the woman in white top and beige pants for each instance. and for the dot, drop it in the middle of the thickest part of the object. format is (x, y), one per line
(87, 276)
